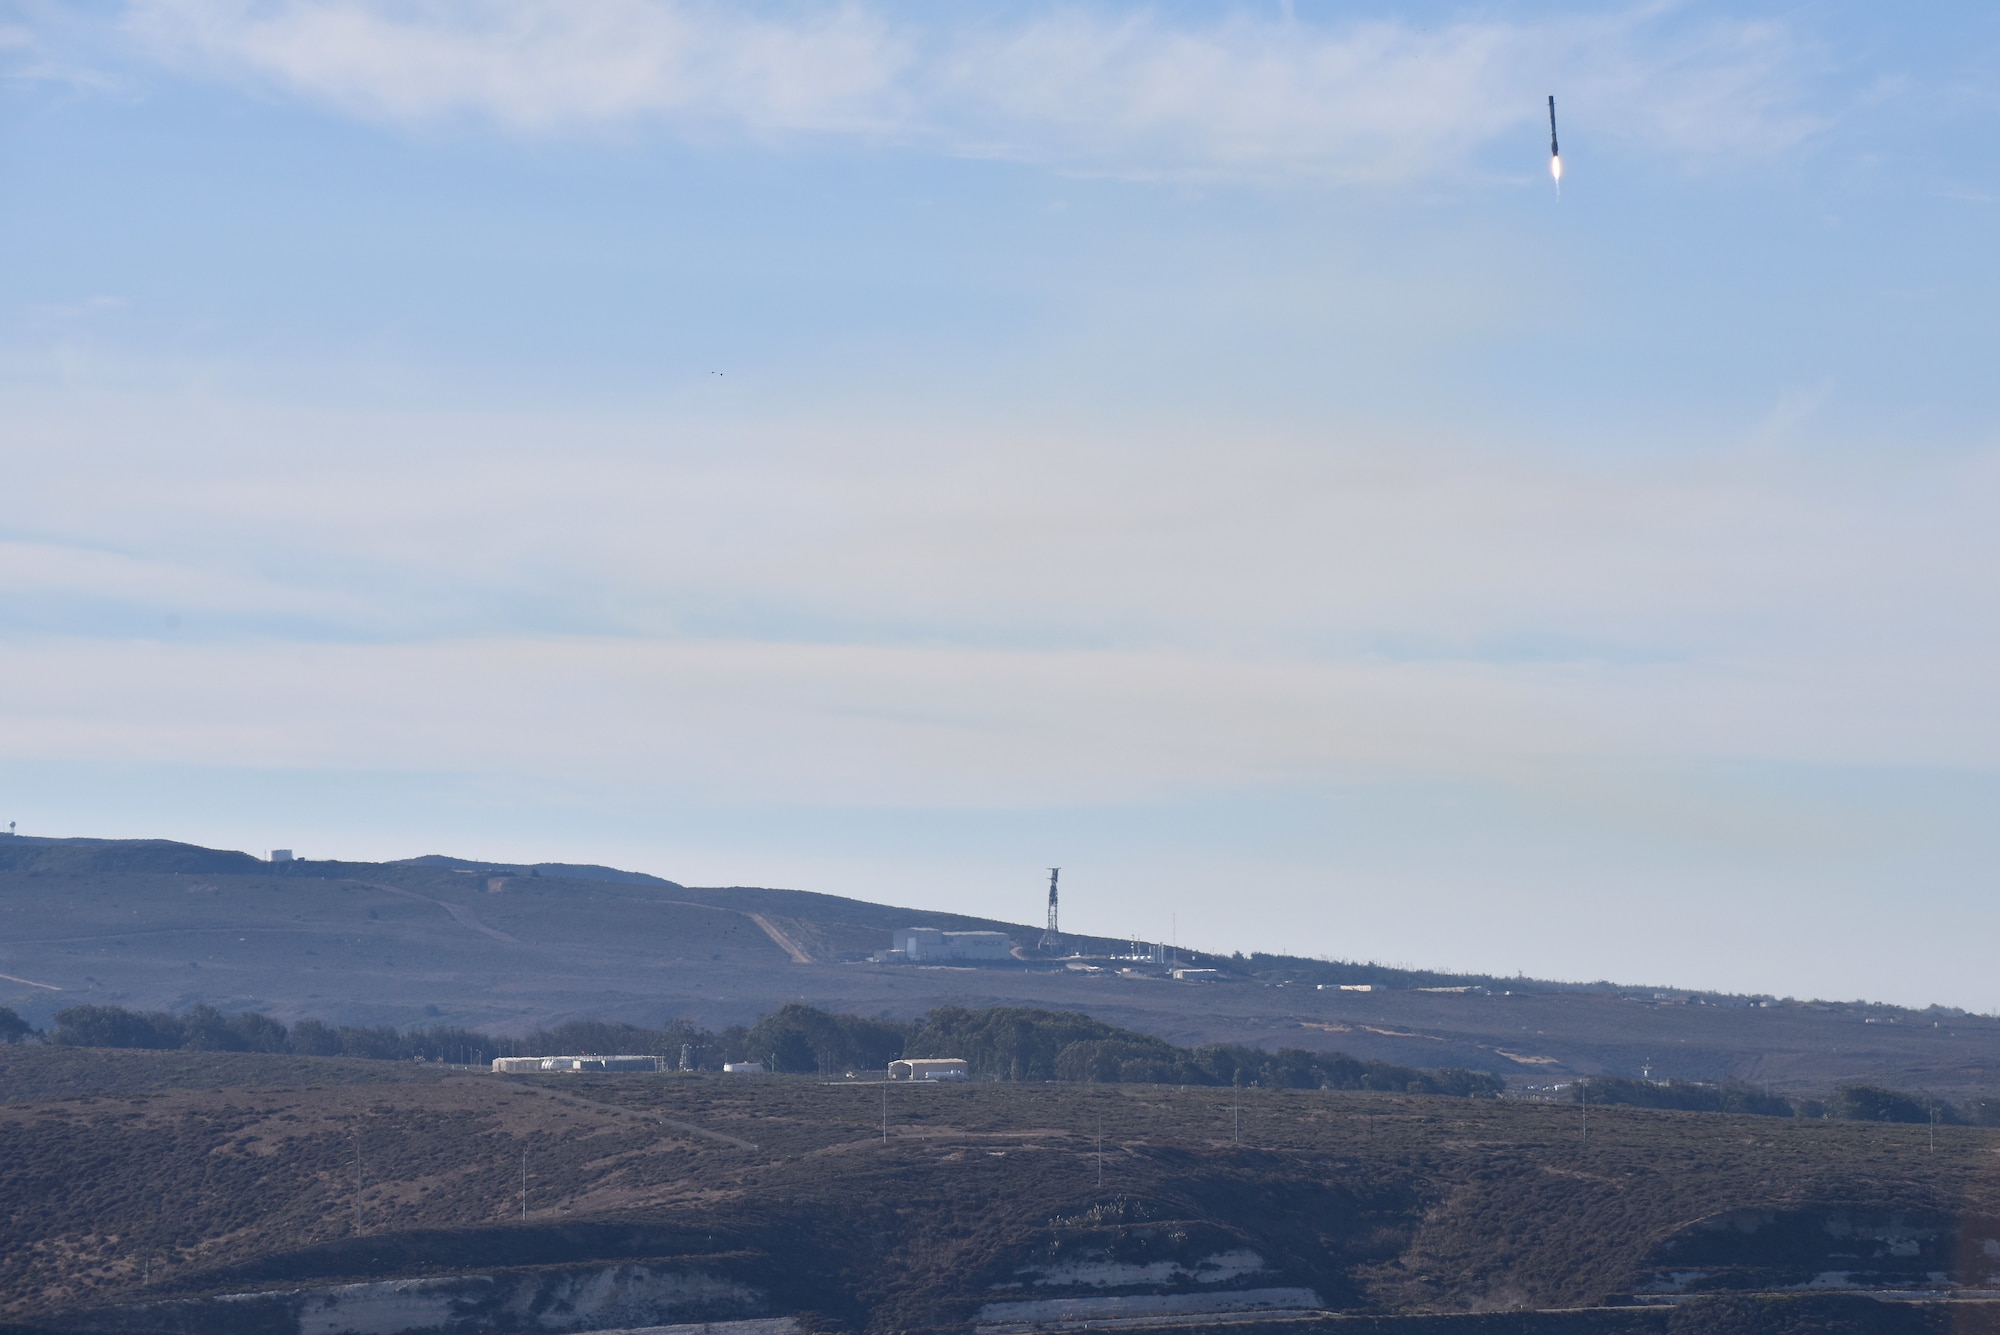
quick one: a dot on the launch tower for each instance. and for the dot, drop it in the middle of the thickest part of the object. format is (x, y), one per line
(1051, 938)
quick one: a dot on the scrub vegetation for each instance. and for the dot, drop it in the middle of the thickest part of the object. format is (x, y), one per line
(872, 1206)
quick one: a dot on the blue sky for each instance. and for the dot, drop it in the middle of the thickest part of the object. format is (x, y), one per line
(888, 450)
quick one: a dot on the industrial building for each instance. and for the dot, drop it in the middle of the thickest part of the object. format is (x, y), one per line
(537, 1065)
(932, 945)
(930, 1068)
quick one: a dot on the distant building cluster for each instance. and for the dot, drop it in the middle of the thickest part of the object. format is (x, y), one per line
(933, 945)
(537, 1065)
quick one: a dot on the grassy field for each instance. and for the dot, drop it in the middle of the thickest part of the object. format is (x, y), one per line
(130, 1174)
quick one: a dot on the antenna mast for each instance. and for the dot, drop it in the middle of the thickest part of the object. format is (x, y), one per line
(1051, 937)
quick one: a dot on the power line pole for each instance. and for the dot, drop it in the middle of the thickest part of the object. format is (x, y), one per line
(1100, 1150)
(524, 1181)
(357, 1181)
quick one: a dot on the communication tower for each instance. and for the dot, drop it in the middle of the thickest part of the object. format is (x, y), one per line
(1051, 938)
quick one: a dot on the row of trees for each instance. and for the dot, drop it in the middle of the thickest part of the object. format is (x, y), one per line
(1871, 1103)
(1016, 1043)
(1684, 1095)
(1000, 1043)
(1853, 1103)
(206, 1029)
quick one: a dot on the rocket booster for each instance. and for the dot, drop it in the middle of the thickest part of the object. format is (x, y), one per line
(1554, 152)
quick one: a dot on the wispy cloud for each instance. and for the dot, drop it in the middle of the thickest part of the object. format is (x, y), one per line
(28, 37)
(1214, 616)
(1131, 92)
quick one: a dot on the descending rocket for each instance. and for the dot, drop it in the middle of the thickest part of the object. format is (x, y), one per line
(1555, 154)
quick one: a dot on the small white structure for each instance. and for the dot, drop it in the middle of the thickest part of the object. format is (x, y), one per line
(1347, 987)
(932, 945)
(516, 1065)
(281, 855)
(930, 1068)
(743, 1068)
(1195, 975)
(596, 1063)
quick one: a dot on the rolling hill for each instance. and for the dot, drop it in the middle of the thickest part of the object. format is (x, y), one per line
(437, 940)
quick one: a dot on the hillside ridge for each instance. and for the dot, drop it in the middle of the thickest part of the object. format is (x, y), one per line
(507, 948)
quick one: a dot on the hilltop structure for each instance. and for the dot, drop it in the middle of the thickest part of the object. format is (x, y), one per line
(932, 945)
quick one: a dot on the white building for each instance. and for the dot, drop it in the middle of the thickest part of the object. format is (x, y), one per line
(743, 1068)
(930, 1068)
(932, 945)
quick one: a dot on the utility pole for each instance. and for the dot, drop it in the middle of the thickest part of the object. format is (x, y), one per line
(524, 1181)
(357, 1181)
(1584, 1085)
(885, 1111)
(1100, 1150)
